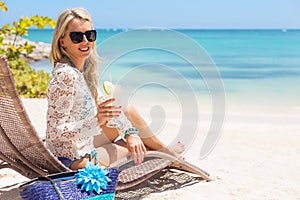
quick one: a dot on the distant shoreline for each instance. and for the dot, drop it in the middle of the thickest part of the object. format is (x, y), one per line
(40, 52)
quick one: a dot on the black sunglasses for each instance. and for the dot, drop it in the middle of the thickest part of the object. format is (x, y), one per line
(77, 37)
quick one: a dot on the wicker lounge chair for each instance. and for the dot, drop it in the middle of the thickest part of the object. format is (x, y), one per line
(131, 175)
(22, 149)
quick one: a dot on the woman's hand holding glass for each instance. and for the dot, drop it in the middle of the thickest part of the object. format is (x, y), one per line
(115, 92)
(106, 111)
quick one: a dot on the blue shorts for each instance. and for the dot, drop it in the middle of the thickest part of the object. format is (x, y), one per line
(66, 161)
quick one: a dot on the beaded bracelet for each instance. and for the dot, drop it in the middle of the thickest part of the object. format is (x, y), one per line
(130, 131)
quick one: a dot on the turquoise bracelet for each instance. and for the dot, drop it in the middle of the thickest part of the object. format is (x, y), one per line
(130, 131)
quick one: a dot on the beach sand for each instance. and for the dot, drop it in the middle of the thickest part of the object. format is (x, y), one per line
(256, 157)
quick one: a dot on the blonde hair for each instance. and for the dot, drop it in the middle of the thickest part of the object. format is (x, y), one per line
(90, 68)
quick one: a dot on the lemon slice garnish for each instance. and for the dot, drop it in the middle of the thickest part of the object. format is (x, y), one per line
(108, 87)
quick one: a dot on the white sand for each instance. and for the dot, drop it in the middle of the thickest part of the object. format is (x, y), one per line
(257, 156)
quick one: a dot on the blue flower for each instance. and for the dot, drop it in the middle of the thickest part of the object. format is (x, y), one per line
(92, 177)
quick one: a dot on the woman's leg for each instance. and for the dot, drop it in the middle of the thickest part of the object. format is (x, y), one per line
(149, 139)
(109, 150)
(110, 153)
(108, 136)
(147, 136)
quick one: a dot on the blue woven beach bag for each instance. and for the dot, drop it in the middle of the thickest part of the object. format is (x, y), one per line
(92, 182)
(63, 186)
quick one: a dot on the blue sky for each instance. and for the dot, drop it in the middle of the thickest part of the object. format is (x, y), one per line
(168, 13)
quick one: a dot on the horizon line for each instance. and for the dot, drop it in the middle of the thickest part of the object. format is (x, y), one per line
(178, 28)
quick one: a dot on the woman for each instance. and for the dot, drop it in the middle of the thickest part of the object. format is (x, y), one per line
(77, 113)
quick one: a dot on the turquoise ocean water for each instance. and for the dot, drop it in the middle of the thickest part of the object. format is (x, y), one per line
(257, 67)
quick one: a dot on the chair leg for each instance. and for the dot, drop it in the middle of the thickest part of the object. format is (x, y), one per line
(5, 162)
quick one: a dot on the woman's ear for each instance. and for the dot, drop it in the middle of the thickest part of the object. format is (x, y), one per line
(62, 43)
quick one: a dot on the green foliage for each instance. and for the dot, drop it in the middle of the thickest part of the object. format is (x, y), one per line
(13, 50)
(3, 7)
(30, 83)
